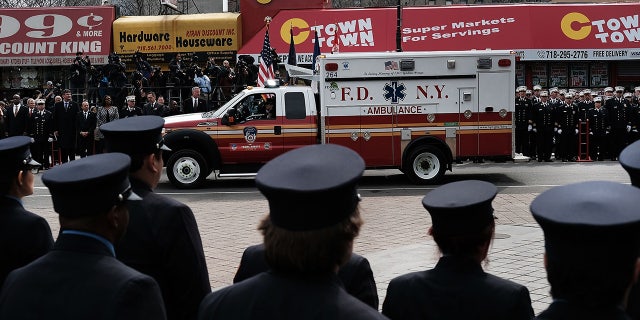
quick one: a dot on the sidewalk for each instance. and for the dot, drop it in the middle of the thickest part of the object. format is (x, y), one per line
(393, 237)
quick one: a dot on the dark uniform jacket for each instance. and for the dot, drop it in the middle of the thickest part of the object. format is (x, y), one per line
(126, 112)
(617, 113)
(566, 118)
(523, 113)
(65, 123)
(457, 288)
(543, 116)
(41, 126)
(270, 295)
(188, 107)
(583, 109)
(598, 122)
(560, 310)
(80, 279)
(163, 241)
(24, 236)
(356, 274)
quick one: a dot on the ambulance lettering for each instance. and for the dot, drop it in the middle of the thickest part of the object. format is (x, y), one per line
(362, 93)
(424, 91)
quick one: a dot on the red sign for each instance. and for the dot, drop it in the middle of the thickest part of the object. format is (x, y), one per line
(52, 36)
(536, 32)
(254, 12)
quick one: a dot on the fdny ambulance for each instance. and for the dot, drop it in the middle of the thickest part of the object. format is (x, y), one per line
(415, 111)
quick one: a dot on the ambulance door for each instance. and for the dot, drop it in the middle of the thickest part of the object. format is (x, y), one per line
(376, 134)
(255, 137)
(495, 137)
(467, 134)
(342, 126)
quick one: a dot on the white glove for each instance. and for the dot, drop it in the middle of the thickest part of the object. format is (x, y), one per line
(628, 128)
(535, 130)
(33, 140)
(559, 131)
(591, 133)
(634, 130)
(606, 132)
(529, 128)
(555, 129)
(50, 139)
(576, 131)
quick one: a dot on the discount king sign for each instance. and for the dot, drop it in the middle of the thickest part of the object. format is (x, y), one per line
(53, 36)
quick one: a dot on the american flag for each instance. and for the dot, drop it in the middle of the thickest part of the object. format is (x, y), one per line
(266, 62)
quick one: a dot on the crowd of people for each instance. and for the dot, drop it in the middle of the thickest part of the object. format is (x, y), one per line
(126, 252)
(74, 128)
(575, 125)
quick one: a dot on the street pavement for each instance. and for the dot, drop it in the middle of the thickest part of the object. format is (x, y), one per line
(394, 237)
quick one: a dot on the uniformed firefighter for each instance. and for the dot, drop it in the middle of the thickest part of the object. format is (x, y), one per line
(41, 131)
(619, 123)
(585, 105)
(567, 129)
(598, 131)
(536, 93)
(543, 125)
(523, 121)
(634, 117)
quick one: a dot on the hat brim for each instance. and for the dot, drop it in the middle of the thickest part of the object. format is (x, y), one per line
(33, 163)
(134, 197)
(165, 148)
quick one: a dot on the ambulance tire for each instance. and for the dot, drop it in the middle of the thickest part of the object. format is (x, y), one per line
(187, 169)
(425, 165)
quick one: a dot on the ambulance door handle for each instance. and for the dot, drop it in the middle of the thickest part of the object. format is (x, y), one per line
(277, 130)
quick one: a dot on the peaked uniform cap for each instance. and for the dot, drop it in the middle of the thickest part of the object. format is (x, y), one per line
(134, 135)
(461, 207)
(104, 175)
(312, 187)
(630, 161)
(15, 155)
(581, 217)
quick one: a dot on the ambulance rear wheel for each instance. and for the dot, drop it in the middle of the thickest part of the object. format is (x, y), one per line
(425, 165)
(187, 169)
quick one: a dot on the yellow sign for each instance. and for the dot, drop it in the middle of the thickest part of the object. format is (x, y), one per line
(177, 33)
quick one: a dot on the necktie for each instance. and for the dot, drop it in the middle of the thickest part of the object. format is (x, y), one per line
(66, 106)
(30, 112)
(15, 110)
(85, 115)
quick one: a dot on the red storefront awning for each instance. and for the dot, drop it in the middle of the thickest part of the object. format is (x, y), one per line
(536, 31)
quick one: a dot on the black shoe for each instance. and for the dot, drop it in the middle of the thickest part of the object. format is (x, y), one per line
(565, 160)
(539, 160)
(548, 160)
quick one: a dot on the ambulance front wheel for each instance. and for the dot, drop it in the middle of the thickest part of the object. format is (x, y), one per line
(425, 165)
(187, 169)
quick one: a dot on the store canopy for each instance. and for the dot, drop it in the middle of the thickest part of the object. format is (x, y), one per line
(177, 33)
(535, 31)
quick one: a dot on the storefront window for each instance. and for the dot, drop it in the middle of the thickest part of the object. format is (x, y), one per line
(539, 74)
(520, 79)
(599, 74)
(579, 75)
(559, 75)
